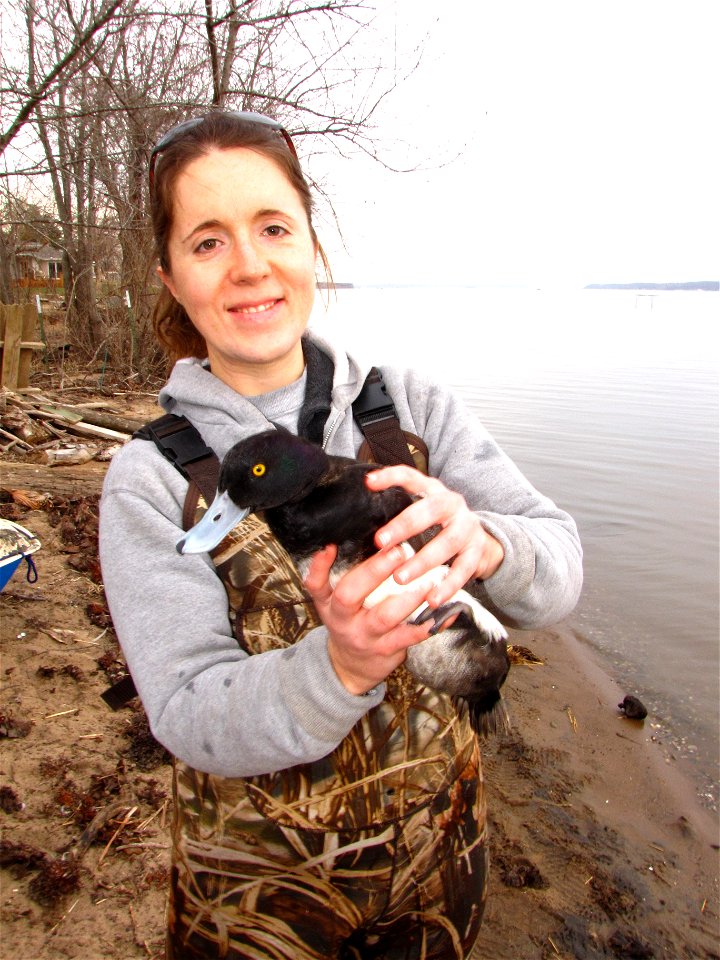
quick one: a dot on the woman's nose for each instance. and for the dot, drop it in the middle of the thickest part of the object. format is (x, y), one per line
(249, 262)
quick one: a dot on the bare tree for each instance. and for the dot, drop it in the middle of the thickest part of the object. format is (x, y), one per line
(71, 60)
(133, 68)
(69, 139)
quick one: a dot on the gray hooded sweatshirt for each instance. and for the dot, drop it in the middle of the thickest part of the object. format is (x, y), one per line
(233, 715)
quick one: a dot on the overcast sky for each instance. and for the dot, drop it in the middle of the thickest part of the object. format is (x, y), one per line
(586, 137)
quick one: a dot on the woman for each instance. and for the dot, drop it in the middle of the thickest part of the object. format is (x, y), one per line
(325, 806)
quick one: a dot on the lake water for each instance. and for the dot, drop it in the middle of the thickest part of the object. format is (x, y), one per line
(608, 402)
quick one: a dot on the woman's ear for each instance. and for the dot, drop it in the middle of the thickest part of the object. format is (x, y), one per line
(167, 280)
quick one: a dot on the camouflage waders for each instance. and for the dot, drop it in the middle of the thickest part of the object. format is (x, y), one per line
(375, 851)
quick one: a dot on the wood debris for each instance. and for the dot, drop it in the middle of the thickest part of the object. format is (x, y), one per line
(572, 719)
(30, 499)
(46, 430)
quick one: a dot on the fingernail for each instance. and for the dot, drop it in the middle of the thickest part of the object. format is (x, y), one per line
(383, 539)
(401, 576)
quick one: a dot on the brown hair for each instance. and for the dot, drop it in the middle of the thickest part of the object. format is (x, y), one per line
(217, 131)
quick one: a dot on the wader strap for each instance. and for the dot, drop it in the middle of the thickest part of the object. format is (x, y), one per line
(180, 443)
(375, 414)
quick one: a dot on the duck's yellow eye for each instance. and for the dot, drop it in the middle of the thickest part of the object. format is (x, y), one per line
(258, 470)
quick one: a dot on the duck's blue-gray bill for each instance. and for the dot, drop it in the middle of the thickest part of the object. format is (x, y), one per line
(221, 516)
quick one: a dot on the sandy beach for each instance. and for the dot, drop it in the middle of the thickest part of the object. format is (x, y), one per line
(599, 845)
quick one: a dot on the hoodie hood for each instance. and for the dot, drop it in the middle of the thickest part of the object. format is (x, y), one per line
(224, 417)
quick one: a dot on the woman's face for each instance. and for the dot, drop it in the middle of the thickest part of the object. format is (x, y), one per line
(242, 264)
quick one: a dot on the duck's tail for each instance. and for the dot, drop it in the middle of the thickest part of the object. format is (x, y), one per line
(488, 714)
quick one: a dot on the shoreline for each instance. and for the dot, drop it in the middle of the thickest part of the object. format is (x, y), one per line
(595, 831)
(664, 733)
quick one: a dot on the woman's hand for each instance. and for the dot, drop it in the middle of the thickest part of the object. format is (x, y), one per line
(365, 644)
(476, 553)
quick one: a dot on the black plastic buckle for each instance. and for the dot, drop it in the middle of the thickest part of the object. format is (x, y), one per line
(373, 403)
(177, 439)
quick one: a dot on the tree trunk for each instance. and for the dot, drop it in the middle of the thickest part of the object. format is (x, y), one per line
(80, 481)
(5, 270)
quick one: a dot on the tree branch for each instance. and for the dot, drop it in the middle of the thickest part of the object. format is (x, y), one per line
(212, 46)
(44, 88)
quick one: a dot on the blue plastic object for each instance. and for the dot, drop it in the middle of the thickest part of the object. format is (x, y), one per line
(8, 566)
(16, 544)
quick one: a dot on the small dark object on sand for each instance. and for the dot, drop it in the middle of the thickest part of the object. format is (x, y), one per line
(54, 880)
(624, 943)
(633, 708)
(9, 800)
(521, 872)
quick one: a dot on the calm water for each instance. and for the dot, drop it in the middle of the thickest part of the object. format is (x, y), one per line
(608, 401)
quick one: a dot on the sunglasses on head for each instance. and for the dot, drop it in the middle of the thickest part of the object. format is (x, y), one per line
(242, 116)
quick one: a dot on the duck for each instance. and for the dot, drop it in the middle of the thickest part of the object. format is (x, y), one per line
(311, 499)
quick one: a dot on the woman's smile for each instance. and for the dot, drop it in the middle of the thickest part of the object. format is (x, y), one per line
(255, 308)
(242, 264)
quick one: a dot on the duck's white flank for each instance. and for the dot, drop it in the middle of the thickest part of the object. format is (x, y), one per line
(484, 620)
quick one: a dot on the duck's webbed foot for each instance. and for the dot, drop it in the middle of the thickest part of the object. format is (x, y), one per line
(442, 614)
(463, 603)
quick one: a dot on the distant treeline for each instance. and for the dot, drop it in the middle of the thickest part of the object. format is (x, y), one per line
(689, 285)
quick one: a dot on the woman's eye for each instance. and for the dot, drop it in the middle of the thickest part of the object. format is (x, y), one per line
(275, 230)
(206, 245)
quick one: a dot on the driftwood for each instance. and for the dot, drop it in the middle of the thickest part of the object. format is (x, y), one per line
(74, 415)
(57, 466)
(108, 420)
(90, 430)
(71, 416)
(79, 481)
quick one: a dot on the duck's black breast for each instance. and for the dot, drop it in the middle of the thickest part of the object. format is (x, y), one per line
(340, 510)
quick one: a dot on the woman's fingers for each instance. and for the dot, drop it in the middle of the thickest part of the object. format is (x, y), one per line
(436, 505)
(366, 643)
(398, 476)
(391, 604)
(317, 578)
(461, 541)
(391, 613)
(358, 583)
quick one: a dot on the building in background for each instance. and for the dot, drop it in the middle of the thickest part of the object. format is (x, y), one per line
(38, 264)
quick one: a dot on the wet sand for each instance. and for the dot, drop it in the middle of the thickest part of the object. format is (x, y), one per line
(600, 846)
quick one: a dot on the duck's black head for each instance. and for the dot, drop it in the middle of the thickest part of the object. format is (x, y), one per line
(270, 468)
(263, 471)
